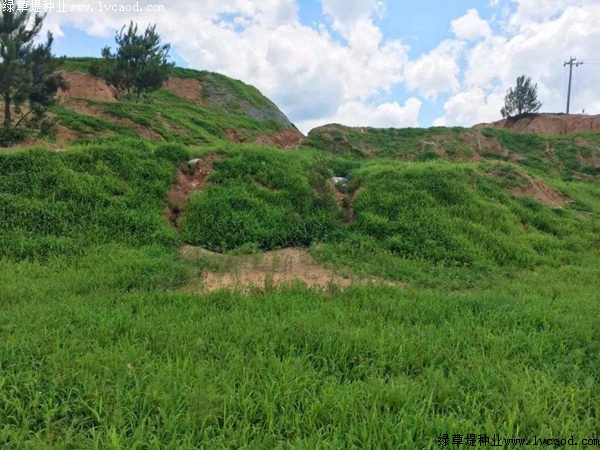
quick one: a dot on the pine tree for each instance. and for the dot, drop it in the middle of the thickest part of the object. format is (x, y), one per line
(27, 71)
(522, 99)
(140, 64)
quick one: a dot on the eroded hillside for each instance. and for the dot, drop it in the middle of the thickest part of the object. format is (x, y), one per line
(193, 108)
(548, 123)
(571, 156)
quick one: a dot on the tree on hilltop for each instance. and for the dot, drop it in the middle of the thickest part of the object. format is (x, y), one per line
(28, 77)
(140, 64)
(522, 99)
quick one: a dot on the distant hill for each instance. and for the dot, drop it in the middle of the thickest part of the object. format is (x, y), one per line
(548, 123)
(573, 156)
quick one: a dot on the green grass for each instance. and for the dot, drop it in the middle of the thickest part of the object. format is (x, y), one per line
(263, 198)
(388, 142)
(170, 117)
(90, 365)
(564, 156)
(494, 331)
(57, 203)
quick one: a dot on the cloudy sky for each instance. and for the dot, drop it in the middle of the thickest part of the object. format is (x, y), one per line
(392, 63)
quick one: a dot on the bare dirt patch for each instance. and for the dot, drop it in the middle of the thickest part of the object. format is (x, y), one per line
(285, 139)
(270, 269)
(186, 184)
(288, 138)
(540, 191)
(84, 85)
(233, 136)
(186, 88)
(345, 201)
(548, 123)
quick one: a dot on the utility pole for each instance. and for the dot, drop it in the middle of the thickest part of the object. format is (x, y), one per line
(572, 62)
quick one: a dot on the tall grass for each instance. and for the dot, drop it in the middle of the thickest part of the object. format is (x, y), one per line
(366, 368)
(435, 221)
(54, 203)
(262, 199)
(104, 345)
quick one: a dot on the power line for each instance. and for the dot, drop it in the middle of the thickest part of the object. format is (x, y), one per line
(572, 62)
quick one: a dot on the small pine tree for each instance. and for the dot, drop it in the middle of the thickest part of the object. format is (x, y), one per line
(140, 64)
(27, 72)
(522, 99)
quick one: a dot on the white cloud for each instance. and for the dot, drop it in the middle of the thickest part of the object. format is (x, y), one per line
(307, 72)
(541, 11)
(470, 108)
(345, 13)
(385, 115)
(436, 72)
(537, 47)
(470, 26)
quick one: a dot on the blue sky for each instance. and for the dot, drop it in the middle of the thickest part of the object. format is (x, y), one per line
(369, 62)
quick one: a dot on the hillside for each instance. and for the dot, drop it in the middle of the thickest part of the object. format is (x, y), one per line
(548, 123)
(193, 108)
(574, 156)
(171, 279)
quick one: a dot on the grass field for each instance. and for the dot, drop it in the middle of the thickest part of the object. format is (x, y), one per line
(475, 256)
(494, 329)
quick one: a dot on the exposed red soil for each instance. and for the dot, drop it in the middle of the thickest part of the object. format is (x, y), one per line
(345, 202)
(284, 139)
(548, 123)
(540, 191)
(186, 88)
(288, 138)
(233, 136)
(186, 184)
(84, 85)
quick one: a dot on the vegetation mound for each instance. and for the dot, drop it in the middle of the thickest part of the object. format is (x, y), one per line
(572, 156)
(193, 108)
(261, 199)
(63, 203)
(461, 215)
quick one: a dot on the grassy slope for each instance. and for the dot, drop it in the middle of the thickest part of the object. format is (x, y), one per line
(100, 348)
(230, 105)
(576, 154)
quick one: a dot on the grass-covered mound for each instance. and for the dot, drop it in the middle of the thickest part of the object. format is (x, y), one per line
(222, 109)
(570, 156)
(60, 203)
(100, 347)
(167, 117)
(410, 218)
(264, 199)
(462, 215)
